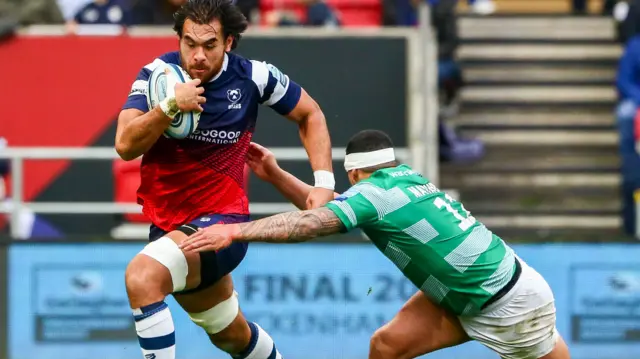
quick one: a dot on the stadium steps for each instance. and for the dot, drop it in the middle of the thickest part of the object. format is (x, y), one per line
(541, 97)
(536, 28)
(537, 6)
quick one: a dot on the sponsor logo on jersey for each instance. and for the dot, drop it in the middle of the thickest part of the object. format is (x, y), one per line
(275, 72)
(234, 95)
(403, 173)
(139, 87)
(216, 136)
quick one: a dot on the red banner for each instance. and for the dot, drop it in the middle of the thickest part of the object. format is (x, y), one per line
(65, 91)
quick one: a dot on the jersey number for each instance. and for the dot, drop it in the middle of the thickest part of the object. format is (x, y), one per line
(465, 221)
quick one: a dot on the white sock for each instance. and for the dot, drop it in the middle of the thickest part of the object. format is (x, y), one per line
(156, 333)
(261, 346)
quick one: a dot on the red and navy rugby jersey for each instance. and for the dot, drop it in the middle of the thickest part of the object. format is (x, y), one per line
(203, 173)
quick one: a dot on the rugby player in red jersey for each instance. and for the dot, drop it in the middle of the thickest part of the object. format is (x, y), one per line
(198, 181)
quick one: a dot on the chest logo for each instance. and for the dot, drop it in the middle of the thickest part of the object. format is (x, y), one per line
(234, 96)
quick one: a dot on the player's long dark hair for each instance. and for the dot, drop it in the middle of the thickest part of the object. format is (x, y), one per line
(234, 23)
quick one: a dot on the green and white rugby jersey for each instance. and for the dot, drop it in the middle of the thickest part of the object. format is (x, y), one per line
(436, 243)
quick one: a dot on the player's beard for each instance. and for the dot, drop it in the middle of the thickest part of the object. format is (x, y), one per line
(202, 73)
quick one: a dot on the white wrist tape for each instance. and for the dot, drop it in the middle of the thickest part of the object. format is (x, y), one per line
(170, 107)
(324, 179)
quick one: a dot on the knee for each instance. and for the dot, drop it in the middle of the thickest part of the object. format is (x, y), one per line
(160, 268)
(143, 277)
(382, 347)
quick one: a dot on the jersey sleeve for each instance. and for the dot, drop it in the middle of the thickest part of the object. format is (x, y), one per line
(276, 89)
(138, 94)
(354, 208)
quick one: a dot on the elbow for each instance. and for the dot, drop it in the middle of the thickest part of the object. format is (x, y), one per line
(314, 117)
(125, 151)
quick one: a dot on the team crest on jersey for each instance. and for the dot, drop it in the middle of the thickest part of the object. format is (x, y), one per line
(234, 95)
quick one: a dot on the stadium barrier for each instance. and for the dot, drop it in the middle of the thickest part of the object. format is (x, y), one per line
(67, 300)
(17, 157)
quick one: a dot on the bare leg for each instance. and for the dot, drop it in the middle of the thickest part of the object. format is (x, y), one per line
(149, 279)
(561, 351)
(232, 339)
(419, 328)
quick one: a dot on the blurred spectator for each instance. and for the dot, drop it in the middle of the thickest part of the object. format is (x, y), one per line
(102, 12)
(580, 6)
(628, 83)
(406, 10)
(250, 9)
(31, 12)
(70, 8)
(444, 18)
(627, 16)
(320, 14)
(149, 12)
(317, 14)
(454, 148)
(482, 7)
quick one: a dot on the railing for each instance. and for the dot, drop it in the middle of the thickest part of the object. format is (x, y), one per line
(17, 156)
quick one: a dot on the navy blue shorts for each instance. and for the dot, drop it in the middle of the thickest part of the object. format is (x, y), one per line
(213, 265)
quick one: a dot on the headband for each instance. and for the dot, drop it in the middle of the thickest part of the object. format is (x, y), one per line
(358, 160)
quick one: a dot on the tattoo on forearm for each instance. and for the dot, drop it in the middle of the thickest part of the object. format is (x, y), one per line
(297, 226)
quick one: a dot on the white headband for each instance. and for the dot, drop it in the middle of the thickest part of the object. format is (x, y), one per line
(358, 160)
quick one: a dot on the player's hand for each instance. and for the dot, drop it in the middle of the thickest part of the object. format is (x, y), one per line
(319, 197)
(262, 162)
(213, 238)
(188, 96)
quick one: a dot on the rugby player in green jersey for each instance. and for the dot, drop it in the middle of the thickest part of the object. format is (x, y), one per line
(472, 286)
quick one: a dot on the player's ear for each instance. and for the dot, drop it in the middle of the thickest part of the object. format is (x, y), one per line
(353, 179)
(228, 43)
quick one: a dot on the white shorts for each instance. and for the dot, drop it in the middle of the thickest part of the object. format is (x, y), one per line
(520, 325)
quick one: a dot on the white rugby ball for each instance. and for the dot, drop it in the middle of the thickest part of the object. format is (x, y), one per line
(161, 85)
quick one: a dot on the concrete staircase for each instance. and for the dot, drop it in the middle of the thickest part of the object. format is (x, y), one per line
(538, 6)
(541, 95)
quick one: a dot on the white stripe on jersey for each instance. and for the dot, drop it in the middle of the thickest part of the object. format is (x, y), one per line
(260, 75)
(280, 90)
(139, 87)
(152, 66)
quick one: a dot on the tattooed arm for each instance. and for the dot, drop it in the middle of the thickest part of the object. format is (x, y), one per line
(296, 226)
(291, 227)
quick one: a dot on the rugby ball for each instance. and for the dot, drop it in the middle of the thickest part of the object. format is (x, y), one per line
(161, 85)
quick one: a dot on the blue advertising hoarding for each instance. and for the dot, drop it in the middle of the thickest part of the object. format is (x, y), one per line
(318, 301)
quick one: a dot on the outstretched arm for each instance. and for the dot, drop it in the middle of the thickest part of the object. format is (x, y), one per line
(291, 227)
(291, 187)
(263, 163)
(316, 141)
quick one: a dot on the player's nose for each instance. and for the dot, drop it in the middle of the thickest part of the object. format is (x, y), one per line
(199, 55)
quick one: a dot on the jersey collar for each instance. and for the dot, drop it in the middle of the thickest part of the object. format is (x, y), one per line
(225, 64)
